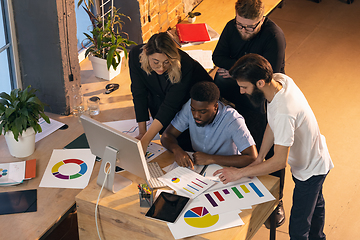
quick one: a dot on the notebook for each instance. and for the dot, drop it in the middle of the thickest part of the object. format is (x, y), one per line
(195, 32)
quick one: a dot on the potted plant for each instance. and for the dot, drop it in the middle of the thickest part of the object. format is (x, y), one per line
(108, 40)
(19, 116)
(192, 16)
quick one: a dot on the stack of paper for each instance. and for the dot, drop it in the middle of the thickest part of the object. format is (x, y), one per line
(16, 172)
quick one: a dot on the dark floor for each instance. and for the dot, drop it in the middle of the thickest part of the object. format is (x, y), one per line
(66, 230)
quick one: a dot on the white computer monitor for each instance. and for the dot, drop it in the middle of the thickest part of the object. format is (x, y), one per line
(117, 149)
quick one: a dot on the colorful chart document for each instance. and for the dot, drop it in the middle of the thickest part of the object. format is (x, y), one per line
(153, 151)
(196, 219)
(68, 168)
(235, 196)
(186, 182)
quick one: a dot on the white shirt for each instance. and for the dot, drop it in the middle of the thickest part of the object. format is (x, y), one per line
(294, 125)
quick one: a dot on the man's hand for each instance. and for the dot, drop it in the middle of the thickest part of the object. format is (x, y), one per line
(183, 159)
(224, 73)
(201, 158)
(229, 174)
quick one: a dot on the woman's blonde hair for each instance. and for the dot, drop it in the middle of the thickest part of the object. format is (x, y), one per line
(162, 43)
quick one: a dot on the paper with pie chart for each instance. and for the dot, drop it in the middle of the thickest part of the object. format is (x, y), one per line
(196, 219)
(68, 168)
(186, 182)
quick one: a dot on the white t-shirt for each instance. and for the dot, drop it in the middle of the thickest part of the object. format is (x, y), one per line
(294, 125)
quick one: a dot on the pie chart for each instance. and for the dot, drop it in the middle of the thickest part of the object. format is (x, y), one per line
(199, 217)
(175, 180)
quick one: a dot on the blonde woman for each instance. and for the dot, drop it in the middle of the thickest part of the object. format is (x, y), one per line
(161, 78)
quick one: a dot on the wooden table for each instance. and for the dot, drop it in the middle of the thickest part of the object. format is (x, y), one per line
(120, 215)
(52, 203)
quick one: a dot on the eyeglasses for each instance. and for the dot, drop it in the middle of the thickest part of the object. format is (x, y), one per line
(247, 27)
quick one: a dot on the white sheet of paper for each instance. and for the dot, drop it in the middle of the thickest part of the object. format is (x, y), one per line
(186, 182)
(197, 168)
(12, 173)
(204, 57)
(47, 128)
(226, 198)
(195, 219)
(68, 168)
(130, 127)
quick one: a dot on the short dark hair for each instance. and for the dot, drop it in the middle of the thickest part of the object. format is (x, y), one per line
(249, 9)
(205, 92)
(252, 68)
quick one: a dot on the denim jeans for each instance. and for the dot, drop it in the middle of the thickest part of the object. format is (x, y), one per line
(307, 217)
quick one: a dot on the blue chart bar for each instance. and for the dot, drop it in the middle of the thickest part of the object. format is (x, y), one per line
(193, 187)
(260, 194)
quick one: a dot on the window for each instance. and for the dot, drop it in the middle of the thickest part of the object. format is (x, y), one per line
(83, 24)
(7, 64)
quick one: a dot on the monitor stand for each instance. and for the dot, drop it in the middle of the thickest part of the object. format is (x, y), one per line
(114, 182)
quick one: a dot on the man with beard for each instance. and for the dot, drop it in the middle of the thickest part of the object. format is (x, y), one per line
(250, 32)
(294, 131)
(218, 133)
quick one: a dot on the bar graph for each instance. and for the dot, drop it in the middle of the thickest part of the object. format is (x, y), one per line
(186, 182)
(242, 195)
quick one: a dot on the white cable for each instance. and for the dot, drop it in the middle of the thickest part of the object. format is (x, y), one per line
(97, 203)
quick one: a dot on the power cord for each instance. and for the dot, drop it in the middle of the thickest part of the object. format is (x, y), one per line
(97, 202)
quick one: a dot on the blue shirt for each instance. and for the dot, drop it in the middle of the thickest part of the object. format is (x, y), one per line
(226, 135)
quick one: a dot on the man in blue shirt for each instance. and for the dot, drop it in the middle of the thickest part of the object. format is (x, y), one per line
(218, 133)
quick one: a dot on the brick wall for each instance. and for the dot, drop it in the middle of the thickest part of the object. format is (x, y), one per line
(158, 15)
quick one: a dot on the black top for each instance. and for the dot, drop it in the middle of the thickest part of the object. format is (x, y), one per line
(269, 42)
(156, 93)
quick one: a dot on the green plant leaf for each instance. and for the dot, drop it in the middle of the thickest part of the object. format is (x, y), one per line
(9, 111)
(6, 96)
(46, 118)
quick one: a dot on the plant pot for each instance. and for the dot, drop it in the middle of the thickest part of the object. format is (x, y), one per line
(100, 68)
(25, 146)
(191, 20)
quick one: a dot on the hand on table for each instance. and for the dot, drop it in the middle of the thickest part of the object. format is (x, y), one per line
(224, 73)
(183, 159)
(229, 174)
(140, 136)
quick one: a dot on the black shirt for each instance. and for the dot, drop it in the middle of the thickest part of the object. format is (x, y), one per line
(269, 42)
(156, 93)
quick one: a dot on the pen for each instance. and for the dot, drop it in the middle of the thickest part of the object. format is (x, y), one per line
(203, 170)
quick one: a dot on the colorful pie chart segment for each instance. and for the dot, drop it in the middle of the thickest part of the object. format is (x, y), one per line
(82, 171)
(199, 217)
(175, 180)
(3, 172)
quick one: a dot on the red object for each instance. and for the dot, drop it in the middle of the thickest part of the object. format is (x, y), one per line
(195, 32)
(30, 169)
